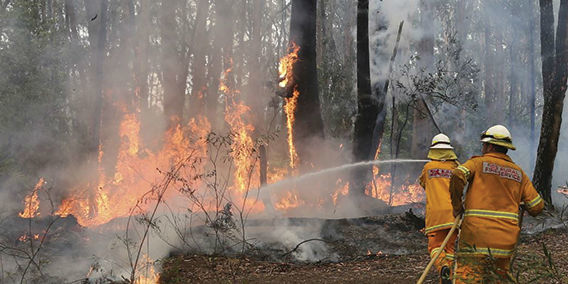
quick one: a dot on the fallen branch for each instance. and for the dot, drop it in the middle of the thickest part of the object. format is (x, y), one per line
(303, 242)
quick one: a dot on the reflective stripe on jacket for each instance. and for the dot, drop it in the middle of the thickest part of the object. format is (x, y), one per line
(435, 179)
(496, 188)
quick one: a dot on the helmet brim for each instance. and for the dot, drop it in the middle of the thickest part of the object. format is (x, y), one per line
(493, 141)
(441, 146)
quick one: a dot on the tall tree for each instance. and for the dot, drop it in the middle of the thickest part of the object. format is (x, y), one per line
(532, 77)
(198, 67)
(554, 52)
(367, 106)
(422, 129)
(173, 79)
(223, 34)
(308, 124)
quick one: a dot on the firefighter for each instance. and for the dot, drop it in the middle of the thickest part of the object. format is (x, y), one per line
(490, 226)
(435, 179)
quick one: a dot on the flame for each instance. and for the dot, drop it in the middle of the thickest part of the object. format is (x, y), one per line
(31, 202)
(342, 190)
(285, 74)
(289, 201)
(135, 171)
(24, 238)
(150, 276)
(380, 188)
(287, 64)
(290, 109)
(242, 146)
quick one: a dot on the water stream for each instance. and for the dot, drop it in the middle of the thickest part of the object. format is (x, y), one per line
(286, 183)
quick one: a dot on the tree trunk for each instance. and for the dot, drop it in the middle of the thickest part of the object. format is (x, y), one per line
(381, 89)
(421, 125)
(512, 77)
(174, 98)
(489, 87)
(532, 79)
(198, 65)
(99, 59)
(256, 98)
(554, 73)
(221, 52)
(70, 20)
(308, 124)
(140, 48)
(367, 108)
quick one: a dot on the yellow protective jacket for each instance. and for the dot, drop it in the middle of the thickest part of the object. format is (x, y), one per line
(435, 179)
(496, 188)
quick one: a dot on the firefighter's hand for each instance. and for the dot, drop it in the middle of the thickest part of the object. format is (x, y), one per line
(458, 212)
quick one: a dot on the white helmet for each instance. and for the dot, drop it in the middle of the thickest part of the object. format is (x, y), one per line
(498, 135)
(441, 141)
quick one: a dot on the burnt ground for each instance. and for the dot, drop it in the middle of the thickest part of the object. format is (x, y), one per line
(352, 240)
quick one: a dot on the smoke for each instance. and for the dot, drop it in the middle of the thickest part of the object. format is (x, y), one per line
(153, 64)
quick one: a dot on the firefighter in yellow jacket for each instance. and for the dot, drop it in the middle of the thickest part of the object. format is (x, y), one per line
(435, 179)
(490, 226)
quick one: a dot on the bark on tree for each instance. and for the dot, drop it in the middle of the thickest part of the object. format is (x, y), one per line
(422, 130)
(221, 51)
(174, 97)
(99, 59)
(381, 90)
(513, 55)
(554, 73)
(140, 50)
(489, 86)
(256, 98)
(367, 106)
(198, 65)
(532, 79)
(70, 20)
(308, 125)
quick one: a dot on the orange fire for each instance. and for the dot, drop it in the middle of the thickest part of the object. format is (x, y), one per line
(290, 109)
(149, 275)
(380, 188)
(31, 202)
(24, 238)
(286, 76)
(287, 64)
(344, 190)
(289, 201)
(135, 171)
(242, 146)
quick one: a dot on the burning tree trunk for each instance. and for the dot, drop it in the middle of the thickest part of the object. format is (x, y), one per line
(308, 121)
(367, 105)
(554, 76)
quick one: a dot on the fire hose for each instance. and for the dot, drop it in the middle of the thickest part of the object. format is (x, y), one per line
(457, 223)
